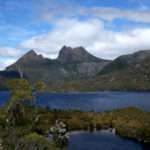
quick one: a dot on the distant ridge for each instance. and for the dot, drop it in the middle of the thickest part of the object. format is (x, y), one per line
(72, 63)
(125, 61)
(76, 69)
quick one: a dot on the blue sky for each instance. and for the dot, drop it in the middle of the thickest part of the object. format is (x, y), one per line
(106, 28)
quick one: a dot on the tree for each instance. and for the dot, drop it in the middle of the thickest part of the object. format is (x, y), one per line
(20, 92)
(59, 134)
(40, 86)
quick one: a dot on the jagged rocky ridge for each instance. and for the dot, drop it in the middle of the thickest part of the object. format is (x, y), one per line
(76, 69)
(71, 64)
(127, 72)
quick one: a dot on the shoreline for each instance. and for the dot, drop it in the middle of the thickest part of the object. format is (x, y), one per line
(91, 91)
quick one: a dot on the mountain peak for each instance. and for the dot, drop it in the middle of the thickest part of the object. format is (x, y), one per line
(65, 49)
(31, 53)
(31, 58)
(78, 54)
(72, 63)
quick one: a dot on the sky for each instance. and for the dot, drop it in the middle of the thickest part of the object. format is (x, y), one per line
(106, 28)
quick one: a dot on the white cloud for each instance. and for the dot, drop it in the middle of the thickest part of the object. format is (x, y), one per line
(140, 14)
(66, 32)
(6, 62)
(9, 52)
(74, 32)
(93, 36)
(108, 13)
(88, 33)
(8, 55)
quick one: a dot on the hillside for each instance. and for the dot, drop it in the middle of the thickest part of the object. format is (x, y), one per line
(72, 63)
(127, 72)
(77, 70)
(134, 60)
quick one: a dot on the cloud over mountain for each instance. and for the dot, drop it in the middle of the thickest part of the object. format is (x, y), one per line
(91, 34)
(105, 28)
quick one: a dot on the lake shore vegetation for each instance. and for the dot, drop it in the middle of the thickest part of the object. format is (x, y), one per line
(26, 126)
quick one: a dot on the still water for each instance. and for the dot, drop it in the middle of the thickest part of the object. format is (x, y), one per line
(96, 101)
(93, 101)
(102, 140)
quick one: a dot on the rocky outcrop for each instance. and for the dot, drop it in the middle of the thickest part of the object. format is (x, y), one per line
(76, 55)
(72, 63)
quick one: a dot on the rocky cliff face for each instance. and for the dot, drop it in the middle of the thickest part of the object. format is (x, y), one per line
(76, 69)
(76, 55)
(127, 72)
(72, 63)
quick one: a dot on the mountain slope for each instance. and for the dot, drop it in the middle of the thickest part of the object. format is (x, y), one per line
(76, 69)
(128, 72)
(71, 64)
(125, 61)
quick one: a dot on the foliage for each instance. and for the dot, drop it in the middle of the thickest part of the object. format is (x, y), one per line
(59, 134)
(129, 122)
(20, 90)
(20, 93)
(40, 86)
(34, 141)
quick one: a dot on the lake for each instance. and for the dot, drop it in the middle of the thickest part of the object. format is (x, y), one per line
(102, 140)
(94, 101)
(90, 101)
